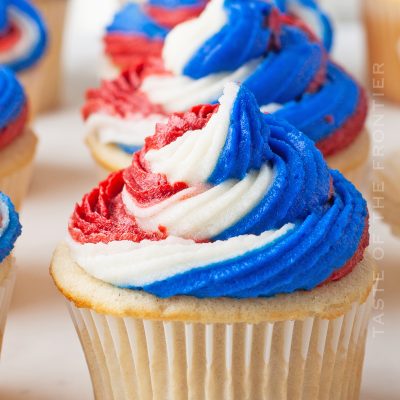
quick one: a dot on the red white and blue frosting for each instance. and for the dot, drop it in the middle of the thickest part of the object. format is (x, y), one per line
(274, 54)
(23, 34)
(10, 227)
(13, 107)
(222, 201)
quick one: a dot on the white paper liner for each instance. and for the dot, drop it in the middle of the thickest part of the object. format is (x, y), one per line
(131, 358)
(16, 184)
(6, 290)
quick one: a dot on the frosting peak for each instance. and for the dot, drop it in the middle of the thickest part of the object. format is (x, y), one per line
(222, 201)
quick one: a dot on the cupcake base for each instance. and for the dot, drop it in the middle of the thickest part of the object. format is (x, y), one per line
(7, 280)
(43, 82)
(108, 157)
(306, 345)
(382, 22)
(353, 161)
(16, 166)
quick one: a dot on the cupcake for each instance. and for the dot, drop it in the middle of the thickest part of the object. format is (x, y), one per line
(382, 23)
(386, 191)
(54, 13)
(10, 229)
(17, 140)
(23, 42)
(137, 31)
(274, 54)
(227, 262)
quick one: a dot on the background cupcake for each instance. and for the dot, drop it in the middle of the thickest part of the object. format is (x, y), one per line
(54, 13)
(17, 140)
(10, 229)
(382, 22)
(284, 64)
(23, 42)
(228, 246)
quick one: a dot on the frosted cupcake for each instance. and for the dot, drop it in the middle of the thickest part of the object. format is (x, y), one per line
(226, 262)
(275, 55)
(10, 229)
(23, 42)
(386, 191)
(17, 140)
(382, 23)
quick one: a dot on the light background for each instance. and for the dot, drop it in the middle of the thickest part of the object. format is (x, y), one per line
(42, 358)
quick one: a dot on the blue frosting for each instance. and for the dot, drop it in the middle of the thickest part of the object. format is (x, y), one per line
(129, 149)
(312, 5)
(35, 53)
(327, 229)
(3, 16)
(176, 3)
(12, 97)
(132, 18)
(9, 236)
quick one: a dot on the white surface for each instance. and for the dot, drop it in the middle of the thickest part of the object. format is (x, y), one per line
(42, 358)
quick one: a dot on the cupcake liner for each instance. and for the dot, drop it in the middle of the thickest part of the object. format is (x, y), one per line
(43, 82)
(16, 184)
(382, 21)
(315, 358)
(6, 289)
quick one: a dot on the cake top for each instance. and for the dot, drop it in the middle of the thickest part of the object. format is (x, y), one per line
(10, 228)
(13, 107)
(23, 34)
(274, 54)
(223, 200)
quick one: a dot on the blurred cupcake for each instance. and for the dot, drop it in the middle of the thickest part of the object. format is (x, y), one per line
(386, 191)
(226, 262)
(17, 141)
(137, 31)
(54, 13)
(10, 229)
(275, 55)
(23, 41)
(382, 22)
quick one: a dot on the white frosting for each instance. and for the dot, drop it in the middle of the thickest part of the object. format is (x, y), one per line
(186, 38)
(139, 264)
(130, 131)
(4, 217)
(29, 38)
(271, 108)
(192, 157)
(179, 93)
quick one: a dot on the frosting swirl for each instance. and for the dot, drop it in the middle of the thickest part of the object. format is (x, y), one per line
(275, 55)
(13, 107)
(137, 31)
(222, 201)
(10, 227)
(23, 35)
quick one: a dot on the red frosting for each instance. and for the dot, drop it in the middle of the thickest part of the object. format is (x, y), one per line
(10, 38)
(130, 51)
(14, 128)
(122, 96)
(348, 132)
(169, 18)
(101, 217)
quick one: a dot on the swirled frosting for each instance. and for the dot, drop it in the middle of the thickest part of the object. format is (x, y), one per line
(23, 34)
(222, 201)
(137, 31)
(13, 107)
(10, 228)
(275, 55)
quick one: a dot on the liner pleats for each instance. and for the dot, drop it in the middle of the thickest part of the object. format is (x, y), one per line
(131, 358)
